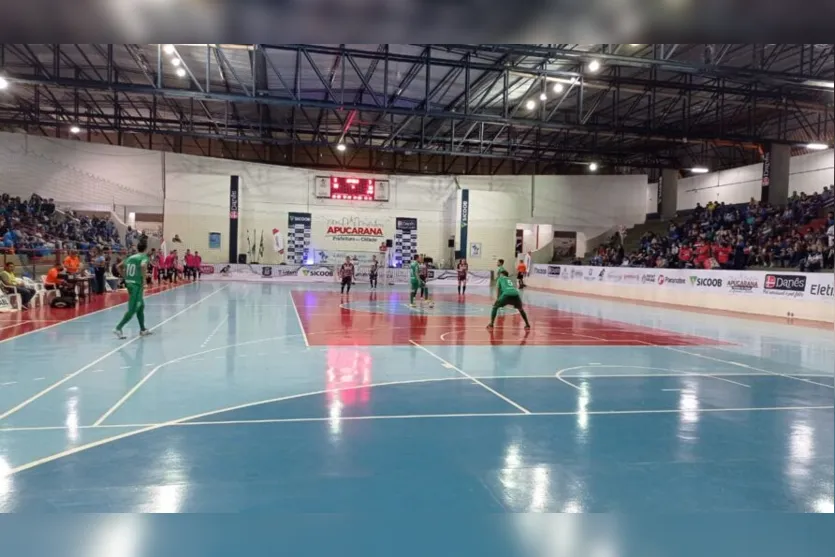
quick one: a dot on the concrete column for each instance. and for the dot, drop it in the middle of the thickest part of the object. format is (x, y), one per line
(775, 185)
(668, 193)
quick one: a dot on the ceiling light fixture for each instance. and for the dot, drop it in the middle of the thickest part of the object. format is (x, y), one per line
(699, 170)
(558, 88)
(593, 166)
(181, 72)
(817, 146)
(530, 105)
(340, 147)
(3, 82)
(75, 129)
(594, 66)
(543, 97)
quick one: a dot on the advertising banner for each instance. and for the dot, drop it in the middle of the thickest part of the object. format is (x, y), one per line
(298, 237)
(405, 240)
(353, 233)
(327, 273)
(464, 222)
(269, 273)
(789, 284)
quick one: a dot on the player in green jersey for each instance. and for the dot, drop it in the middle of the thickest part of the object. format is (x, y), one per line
(134, 270)
(416, 282)
(499, 269)
(508, 296)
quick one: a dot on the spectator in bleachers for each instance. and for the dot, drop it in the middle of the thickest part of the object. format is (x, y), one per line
(736, 237)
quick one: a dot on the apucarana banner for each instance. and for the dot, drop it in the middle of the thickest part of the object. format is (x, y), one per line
(786, 284)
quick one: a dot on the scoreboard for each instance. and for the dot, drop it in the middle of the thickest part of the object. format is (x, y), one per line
(352, 189)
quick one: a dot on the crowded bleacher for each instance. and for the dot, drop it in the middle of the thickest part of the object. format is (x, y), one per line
(798, 235)
(34, 226)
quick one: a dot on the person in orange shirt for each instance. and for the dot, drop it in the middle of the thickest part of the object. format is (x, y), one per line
(521, 270)
(51, 281)
(72, 263)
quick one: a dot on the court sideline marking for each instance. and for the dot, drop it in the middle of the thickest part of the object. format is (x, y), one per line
(450, 365)
(298, 318)
(61, 322)
(737, 364)
(66, 378)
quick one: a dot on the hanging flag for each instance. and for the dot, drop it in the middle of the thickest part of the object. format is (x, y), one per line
(261, 247)
(248, 244)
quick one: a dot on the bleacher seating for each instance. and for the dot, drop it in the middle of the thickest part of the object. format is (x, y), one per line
(796, 235)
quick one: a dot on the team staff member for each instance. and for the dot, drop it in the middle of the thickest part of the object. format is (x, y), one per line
(72, 264)
(521, 270)
(508, 296)
(462, 276)
(134, 270)
(52, 280)
(346, 273)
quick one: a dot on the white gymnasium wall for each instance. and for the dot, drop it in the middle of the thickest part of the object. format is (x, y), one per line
(196, 204)
(812, 172)
(269, 193)
(808, 173)
(590, 205)
(81, 175)
(737, 185)
(497, 205)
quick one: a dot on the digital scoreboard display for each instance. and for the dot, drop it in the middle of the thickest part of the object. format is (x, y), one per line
(355, 189)
(351, 188)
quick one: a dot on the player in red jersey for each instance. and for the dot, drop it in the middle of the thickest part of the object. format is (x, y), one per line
(346, 273)
(463, 267)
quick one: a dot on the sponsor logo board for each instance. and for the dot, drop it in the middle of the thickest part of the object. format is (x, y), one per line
(706, 282)
(744, 285)
(785, 285)
(665, 280)
(553, 270)
(822, 290)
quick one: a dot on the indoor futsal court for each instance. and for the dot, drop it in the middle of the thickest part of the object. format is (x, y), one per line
(268, 397)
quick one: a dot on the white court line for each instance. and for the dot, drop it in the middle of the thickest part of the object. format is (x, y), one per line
(471, 378)
(148, 427)
(195, 417)
(214, 331)
(66, 378)
(153, 371)
(18, 324)
(676, 372)
(298, 318)
(738, 364)
(58, 323)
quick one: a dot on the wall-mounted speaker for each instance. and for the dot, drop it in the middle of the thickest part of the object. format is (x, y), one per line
(389, 243)
(242, 259)
(451, 243)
